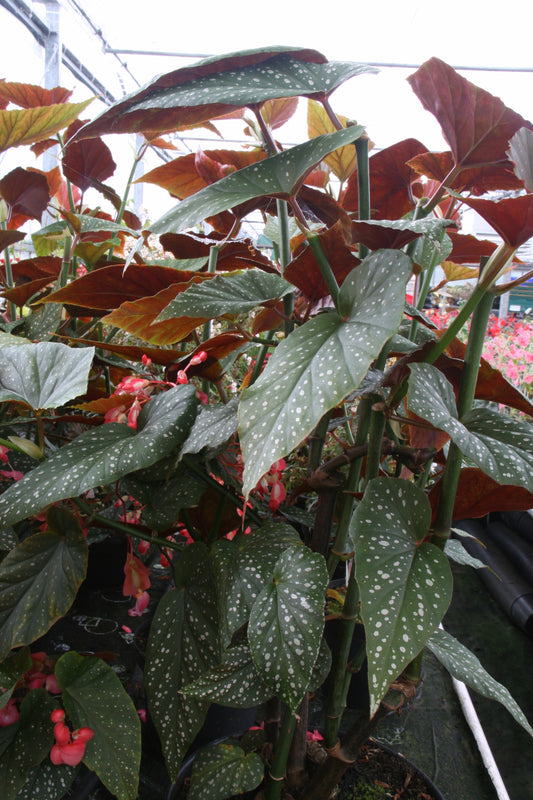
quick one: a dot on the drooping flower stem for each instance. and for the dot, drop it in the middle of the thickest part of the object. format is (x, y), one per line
(450, 479)
(276, 774)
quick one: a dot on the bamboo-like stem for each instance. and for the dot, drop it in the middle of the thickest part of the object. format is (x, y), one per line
(276, 774)
(363, 184)
(467, 388)
(9, 278)
(66, 262)
(375, 438)
(341, 653)
(325, 267)
(316, 443)
(339, 546)
(261, 355)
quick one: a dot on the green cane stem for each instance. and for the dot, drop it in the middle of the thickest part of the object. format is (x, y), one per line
(450, 479)
(278, 768)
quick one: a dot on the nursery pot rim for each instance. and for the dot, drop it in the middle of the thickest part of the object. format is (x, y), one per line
(186, 767)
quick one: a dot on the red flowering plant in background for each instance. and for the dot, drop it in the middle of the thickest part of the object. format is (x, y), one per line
(240, 421)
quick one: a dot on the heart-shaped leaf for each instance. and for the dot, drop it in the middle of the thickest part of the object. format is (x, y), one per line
(224, 770)
(235, 293)
(500, 445)
(26, 743)
(463, 665)
(183, 643)
(39, 580)
(28, 125)
(103, 455)
(235, 682)
(86, 162)
(94, 697)
(476, 125)
(405, 582)
(25, 192)
(280, 175)
(321, 362)
(286, 624)
(242, 569)
(45, 374)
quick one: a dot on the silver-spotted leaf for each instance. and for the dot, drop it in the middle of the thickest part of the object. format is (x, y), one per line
(183, 643)
(234, 293)
(321, 362)
(405, 582)
(463, 665)
(94, 697)
(223, 770)
(243, 567)
(286, 624)
(26, 743)
(501, 446)
(103, 455)
(45, 374)
(213, 427)
(39, 580)
(234, 683)
(48, 781)
(277, 176)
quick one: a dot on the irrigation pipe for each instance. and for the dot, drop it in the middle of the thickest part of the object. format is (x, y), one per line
(481, 740)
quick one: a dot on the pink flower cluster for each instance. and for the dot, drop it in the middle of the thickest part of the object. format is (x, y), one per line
(69, 747)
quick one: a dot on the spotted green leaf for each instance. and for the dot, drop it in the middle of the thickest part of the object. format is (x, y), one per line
(39, 580)
(213, 427)
(463, 665)
(103, 455)
(221, 84)
(235, 682)
(45, 374)
(94, 696)
(321, 362)
(49, 781)
(460, 555)
(286, 624)
(501, 446)
(183, 643)
(405, 582)
(224, 770)
(25, 743)
(233, 293)
(11, 670)
(242, 569)
(280, 175)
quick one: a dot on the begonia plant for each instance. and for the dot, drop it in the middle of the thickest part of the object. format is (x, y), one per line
(255, 419)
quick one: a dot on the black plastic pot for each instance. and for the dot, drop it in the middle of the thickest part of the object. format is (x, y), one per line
(349, 779)
(503, 579)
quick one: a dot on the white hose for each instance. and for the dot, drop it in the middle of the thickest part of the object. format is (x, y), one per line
(481, 740)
